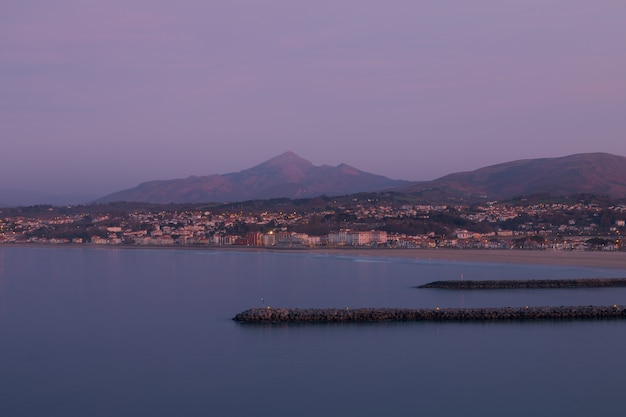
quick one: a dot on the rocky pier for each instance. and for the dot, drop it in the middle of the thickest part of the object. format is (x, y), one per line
(368, 315)
(526, 284)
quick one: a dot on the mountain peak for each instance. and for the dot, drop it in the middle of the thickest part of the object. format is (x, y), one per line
(347, 169)
(284, 168)
(288, 158)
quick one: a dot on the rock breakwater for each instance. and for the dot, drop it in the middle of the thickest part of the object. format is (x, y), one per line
(366, 315)
(521, 284)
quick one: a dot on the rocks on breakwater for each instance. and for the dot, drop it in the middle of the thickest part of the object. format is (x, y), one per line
(517, 284)
(364, 315)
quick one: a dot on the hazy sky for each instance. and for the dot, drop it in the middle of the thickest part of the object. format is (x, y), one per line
(103, 95)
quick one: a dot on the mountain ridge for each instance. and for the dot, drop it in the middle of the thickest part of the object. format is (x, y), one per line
(290, 176)
(285, 175)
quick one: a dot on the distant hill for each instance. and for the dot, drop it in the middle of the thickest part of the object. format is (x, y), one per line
(589, 173)
(17, 197)
(286, 175)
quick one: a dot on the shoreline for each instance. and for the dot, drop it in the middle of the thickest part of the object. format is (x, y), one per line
(592, 259)
(610, 260)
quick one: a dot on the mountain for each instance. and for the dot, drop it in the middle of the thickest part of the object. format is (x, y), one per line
(589, 173)
(286, 175)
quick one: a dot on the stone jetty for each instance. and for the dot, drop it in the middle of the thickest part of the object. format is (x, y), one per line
(367, 315)
(521, 284)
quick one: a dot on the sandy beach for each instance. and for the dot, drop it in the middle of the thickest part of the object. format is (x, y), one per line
(615, 260)
(596, 259)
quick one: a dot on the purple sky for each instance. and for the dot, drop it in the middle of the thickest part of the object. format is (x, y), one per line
(97, 96)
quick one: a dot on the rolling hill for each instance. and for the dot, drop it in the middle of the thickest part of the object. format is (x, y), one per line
(589, 173)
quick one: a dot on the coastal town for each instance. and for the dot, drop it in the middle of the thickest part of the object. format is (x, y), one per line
(576, 225)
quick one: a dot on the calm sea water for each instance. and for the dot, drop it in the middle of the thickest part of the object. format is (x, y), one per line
(114, 332)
